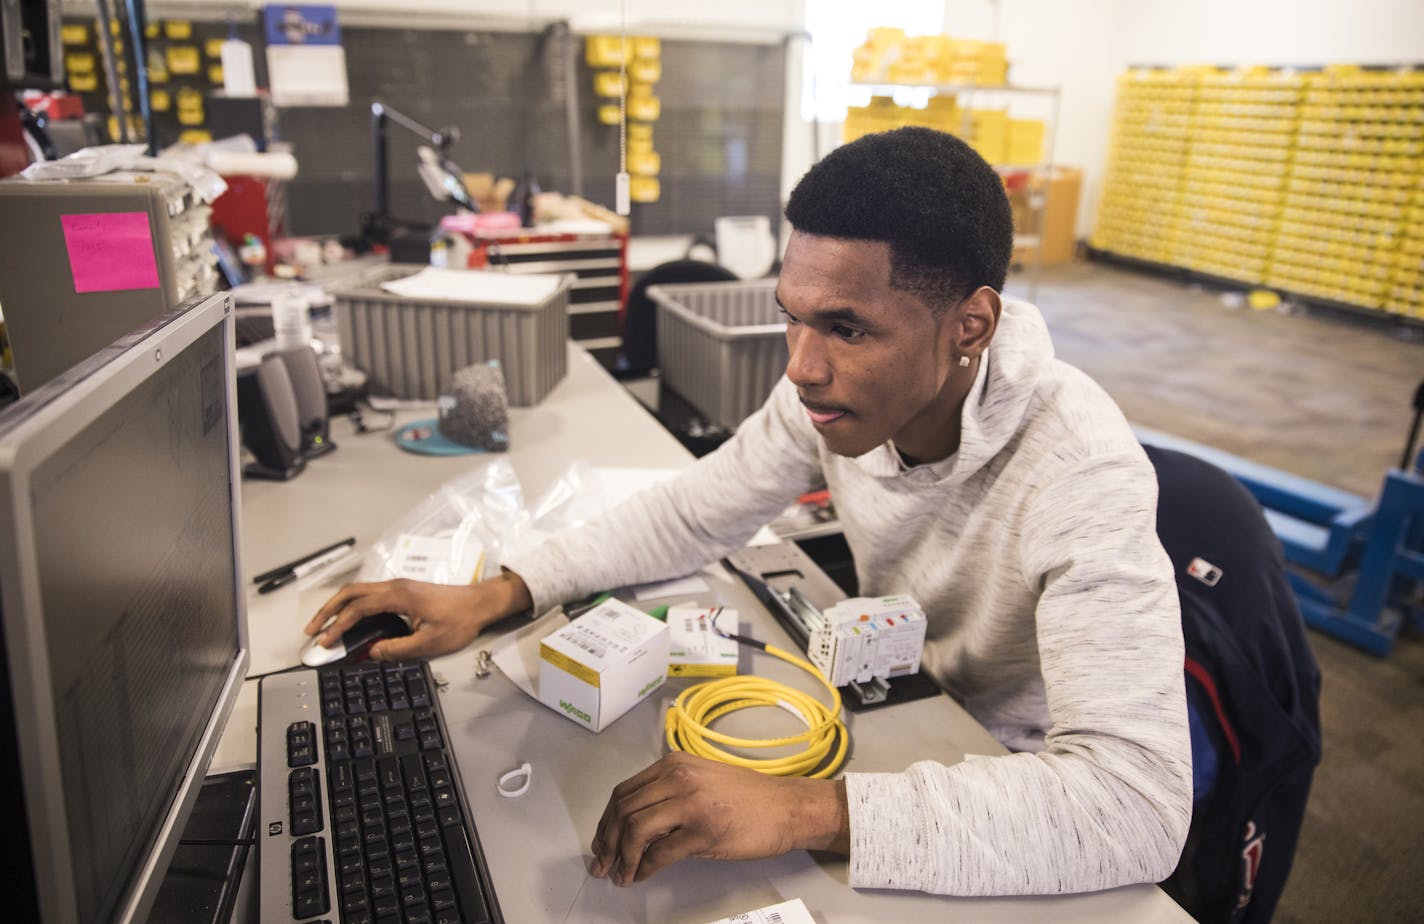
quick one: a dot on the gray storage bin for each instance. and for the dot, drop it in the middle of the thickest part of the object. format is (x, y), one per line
(410, 347)
(721, 345)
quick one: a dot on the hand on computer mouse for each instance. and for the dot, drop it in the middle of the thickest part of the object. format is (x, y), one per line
(356, 642)
(443, 617)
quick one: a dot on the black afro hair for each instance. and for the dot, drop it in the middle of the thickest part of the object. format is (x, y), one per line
(931, 197)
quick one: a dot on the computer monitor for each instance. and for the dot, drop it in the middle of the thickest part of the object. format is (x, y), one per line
(124, 640)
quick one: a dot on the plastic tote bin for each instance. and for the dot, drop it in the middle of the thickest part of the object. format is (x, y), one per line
(410, 347)
(721, 345)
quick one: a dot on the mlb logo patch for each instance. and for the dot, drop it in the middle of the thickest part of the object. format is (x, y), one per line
(1204, 571)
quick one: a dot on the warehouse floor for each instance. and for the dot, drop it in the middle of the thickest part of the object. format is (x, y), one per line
(1324, 396)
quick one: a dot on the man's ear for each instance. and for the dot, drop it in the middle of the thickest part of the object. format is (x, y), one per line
(978, 320)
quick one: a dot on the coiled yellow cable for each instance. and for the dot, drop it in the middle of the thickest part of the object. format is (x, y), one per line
(689, 718)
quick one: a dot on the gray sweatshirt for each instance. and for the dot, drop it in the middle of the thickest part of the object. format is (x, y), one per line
(1053, 619)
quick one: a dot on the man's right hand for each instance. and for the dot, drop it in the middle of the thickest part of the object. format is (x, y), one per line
(443, 617)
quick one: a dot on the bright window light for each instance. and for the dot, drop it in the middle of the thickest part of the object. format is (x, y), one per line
(837, 28)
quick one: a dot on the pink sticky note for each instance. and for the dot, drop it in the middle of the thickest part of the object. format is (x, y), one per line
(110, 252)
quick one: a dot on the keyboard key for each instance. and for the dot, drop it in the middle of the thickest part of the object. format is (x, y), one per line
(462, 868)
(414, 769)
(412, 896)
(305, 823)
(382, 887)
(309, 896)
(442, 900)
(408, 876)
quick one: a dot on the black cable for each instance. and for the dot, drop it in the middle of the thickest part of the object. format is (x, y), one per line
(739, 639)
(285, 670)
(218, 842)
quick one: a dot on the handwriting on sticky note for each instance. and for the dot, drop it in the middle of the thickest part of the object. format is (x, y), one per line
(110, 251)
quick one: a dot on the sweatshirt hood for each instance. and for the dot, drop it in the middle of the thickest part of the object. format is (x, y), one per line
(995, 407)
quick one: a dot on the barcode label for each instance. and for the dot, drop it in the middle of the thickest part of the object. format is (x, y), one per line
(592, 646)
(792, 912)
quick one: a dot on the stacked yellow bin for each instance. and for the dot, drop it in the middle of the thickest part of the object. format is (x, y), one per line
(989, 134)
(888, 55)
(1353, 179)
(1406, 292)
(1025, 146)
(1310, 183)
(1144, 169)
(881, 115)
(1232, 187)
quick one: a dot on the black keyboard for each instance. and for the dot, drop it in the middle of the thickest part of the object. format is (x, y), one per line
(364, 818)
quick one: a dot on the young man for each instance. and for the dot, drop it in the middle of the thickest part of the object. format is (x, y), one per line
(998, 486)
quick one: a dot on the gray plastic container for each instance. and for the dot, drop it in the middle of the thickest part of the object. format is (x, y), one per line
(721, 345)
(410, 347)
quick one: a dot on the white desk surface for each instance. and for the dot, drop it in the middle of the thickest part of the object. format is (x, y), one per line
(537, 845)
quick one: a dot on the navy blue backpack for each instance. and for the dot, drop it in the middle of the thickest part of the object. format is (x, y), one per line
(1253, 692)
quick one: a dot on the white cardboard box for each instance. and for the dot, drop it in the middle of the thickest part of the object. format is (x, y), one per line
(694, 647)
(602, 664)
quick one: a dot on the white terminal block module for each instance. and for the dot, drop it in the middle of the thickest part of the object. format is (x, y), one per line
(602, 664)
(694, 647)
(867, 637)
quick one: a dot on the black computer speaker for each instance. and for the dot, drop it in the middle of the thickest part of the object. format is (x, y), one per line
(267, 413)
(310, 391)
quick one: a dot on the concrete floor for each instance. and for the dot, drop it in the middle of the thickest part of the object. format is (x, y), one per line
(1328, 398)
(1323, 396)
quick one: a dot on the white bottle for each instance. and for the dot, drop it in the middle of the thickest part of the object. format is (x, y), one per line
(291, 321)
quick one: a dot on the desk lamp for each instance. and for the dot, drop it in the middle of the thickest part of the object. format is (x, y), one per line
(442, 177)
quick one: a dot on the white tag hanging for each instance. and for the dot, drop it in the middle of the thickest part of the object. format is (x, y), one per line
(622, 202)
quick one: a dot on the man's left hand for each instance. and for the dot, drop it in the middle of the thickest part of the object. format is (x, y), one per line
(684, 806)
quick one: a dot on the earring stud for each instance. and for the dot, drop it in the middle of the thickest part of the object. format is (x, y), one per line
(963, 360)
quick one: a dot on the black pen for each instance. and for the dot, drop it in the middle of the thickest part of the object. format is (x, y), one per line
(291, 566)
(305, 568)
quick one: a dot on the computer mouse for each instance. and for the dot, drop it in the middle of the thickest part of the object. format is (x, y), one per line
(357, 640)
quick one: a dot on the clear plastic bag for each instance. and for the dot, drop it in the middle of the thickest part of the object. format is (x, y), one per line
(87, 162)
(465, 530)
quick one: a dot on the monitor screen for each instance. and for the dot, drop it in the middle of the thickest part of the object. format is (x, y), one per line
(125, 596)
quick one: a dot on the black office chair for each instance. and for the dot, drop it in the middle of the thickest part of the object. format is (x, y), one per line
(639, 354)
(1253, 693)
